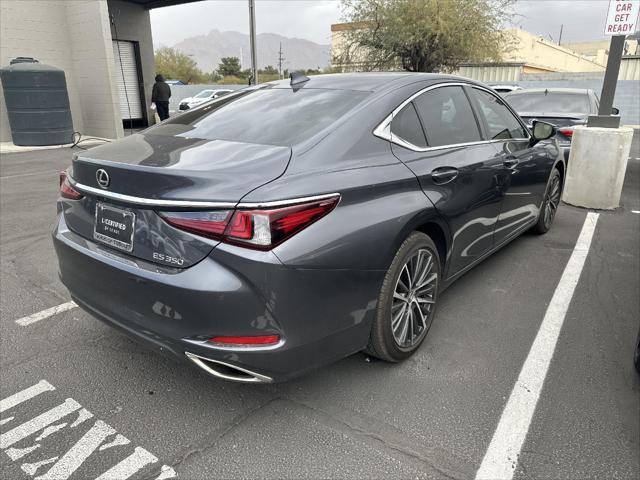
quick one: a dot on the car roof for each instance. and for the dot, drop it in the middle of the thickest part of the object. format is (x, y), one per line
(366, 81)
(582, 91)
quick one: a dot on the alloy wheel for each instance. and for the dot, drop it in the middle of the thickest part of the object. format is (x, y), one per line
(552, 201)
(414, 299)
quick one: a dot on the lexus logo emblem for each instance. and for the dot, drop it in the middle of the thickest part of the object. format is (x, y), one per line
(102, 177)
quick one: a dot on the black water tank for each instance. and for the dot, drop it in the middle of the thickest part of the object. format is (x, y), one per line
(37, 103)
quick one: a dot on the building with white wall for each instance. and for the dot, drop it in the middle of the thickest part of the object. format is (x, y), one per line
(529, 53)
(105, 49)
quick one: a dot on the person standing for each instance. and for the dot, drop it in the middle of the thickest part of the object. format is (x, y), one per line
(160, 95)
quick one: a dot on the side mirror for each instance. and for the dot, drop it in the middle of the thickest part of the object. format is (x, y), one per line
(615, 111)
(542, 130)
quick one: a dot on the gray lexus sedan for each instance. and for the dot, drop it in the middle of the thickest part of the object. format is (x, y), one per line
(291, 224)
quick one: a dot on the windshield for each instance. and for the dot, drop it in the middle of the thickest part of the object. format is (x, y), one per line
(552, 102)
(270, 116)
(204, 94)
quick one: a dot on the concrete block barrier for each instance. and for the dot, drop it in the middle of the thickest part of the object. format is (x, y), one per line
(597, 165)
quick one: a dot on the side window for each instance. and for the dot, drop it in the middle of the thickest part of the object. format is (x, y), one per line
(447, 116)
(406, 125)
(500, 121)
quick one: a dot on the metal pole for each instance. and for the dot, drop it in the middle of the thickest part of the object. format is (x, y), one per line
(604, 118)
(252, 38)
(560, 37)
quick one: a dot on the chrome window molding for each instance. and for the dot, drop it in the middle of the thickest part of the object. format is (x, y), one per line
(158, 203)
(383, 130)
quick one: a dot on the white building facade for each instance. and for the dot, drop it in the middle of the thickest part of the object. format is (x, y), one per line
(105, 48)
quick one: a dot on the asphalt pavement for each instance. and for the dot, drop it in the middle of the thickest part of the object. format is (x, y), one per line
(81, 400)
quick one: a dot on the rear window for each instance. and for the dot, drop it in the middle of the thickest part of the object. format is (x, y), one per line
(552, 102)
(270, 116)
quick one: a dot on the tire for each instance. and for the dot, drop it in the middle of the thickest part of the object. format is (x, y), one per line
(550, 204)
(413, 308)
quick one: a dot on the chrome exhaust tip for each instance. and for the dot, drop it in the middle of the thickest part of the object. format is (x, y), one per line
(227, 371)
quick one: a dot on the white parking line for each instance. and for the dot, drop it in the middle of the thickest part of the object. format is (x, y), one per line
(38, 423)
(26, 394)
(98, 438)
(635, 211)
(76, 456)
(501, 458)
(36, 317)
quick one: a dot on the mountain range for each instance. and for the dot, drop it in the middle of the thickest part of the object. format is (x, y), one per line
(207, 50)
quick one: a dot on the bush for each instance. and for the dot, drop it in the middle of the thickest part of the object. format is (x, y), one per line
(232, 80)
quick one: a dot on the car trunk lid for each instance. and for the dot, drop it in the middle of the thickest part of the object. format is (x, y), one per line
(162, 171)
(169, 167)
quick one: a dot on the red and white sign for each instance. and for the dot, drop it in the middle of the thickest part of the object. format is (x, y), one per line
(622, 17)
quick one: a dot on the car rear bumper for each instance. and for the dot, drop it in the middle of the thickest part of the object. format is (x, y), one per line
(320, 315)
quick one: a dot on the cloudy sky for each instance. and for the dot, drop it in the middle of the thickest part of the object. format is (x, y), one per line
(311, 19)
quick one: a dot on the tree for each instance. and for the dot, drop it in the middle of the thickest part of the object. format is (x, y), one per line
(175, 65)
(213, 77)
(230, 67)
(268, 74)
(423, 35)
(268, 70)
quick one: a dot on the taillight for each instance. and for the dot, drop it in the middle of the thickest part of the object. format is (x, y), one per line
(66, 190)
(260, 229)
(566, 131)
(207, 224)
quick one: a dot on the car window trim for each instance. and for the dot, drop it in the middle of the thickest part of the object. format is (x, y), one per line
(383, 130)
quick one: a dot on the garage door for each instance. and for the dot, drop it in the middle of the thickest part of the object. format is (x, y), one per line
(127, 81)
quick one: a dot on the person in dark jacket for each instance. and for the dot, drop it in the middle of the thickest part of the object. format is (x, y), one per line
(160, 95)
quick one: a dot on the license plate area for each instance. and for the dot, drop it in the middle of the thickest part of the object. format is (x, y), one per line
(114, 226)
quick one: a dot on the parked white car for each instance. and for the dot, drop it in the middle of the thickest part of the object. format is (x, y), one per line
(505, 88)
(203, 96)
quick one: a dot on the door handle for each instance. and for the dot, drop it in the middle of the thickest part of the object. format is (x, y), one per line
(444, 175)
(511, 162)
